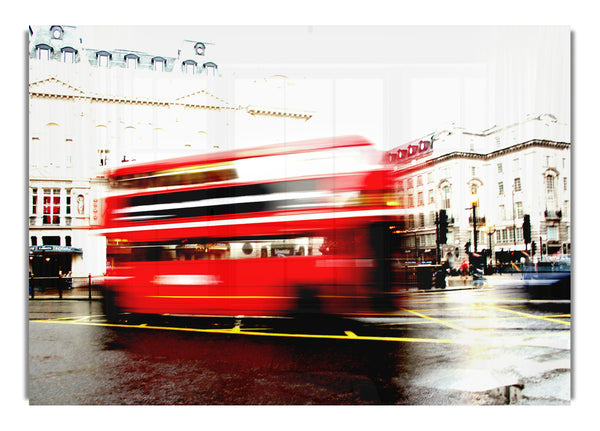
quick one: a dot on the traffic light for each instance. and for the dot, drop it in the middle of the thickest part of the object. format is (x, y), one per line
(468, 247)
(526, 229)
(533, 248)
(443, 226)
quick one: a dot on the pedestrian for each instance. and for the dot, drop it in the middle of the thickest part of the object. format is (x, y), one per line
(441, 274)
(464, 270)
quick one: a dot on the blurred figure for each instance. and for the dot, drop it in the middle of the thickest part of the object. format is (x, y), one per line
(464, 271)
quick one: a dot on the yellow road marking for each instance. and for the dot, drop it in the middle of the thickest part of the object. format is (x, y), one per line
(530, 316)
(235, 331)
(441, 322)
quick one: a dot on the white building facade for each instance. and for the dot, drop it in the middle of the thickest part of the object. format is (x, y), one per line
(511, 171)
(92, 109)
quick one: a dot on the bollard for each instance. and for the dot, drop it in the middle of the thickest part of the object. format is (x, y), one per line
(89, 286)
(60, 287)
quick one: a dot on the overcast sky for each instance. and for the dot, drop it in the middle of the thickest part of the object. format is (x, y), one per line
(391, 84)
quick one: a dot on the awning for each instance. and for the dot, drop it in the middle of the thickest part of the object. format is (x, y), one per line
(53, 249)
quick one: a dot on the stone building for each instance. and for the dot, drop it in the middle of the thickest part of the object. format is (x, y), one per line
(94, 108)
(506, 172)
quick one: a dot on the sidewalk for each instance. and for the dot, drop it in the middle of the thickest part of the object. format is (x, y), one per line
(494, 280)
(76, 293)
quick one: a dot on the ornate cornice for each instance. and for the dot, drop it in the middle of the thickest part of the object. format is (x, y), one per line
(53, 88)
(534, 143)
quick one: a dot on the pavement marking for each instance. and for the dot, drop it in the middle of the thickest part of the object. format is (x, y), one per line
(529, 316)
(442, 322)
(349, 335)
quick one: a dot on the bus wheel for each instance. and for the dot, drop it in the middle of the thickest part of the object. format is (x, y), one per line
(308, 303)
(111, 310)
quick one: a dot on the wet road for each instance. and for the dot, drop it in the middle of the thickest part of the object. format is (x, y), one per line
(481, 346)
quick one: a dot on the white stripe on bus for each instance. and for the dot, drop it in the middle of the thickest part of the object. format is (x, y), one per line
(224, 201)
(259, 220)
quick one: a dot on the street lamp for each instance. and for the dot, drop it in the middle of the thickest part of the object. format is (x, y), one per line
(491, 231)
(474, 202)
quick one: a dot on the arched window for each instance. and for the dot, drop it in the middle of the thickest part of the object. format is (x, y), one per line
(43, 51)
(189, 67)
(210, 68)
(68, 54)
(103, 58)
(550, 187)
(446, 196)
(159, 64)
(131, 61)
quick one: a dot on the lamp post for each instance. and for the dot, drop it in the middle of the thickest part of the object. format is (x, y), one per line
(474, 199)
(491, 232)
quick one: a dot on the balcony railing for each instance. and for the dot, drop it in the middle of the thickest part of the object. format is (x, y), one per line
(553, 214)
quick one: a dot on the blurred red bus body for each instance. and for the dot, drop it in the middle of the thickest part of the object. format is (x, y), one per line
(295, 228)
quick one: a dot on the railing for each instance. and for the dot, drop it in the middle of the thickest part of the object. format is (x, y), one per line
(553, 214)
(66, 287)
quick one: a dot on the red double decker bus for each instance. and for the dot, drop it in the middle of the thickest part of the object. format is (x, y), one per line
(295, 228)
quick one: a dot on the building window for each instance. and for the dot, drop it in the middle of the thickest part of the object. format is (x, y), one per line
(131, 61)
(159, 64)
(501, 212)
(516, 164)
(34, 201)
(552, 233)
(189, 67)
(474, 190)
(68, 241)
(56, 32)
(430, 197)
(519, 209)
(550, 191)
(429, 177)
(210, 68)
(420, 180)
(51, 213)
(501, 188)
(565, 183)
(473, 171)
(103, 58)
(34, 240)
(549, 183)
(446, 197)
(421, 220)
(43, 52)
(517, 184)
(199, 48)
(51, 240)
(68, 55)
(499, 168)
(68, 202)
(420, 199)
